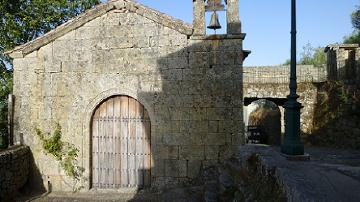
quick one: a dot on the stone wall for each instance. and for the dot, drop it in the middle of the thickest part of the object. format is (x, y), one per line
(281, 74)
(191, 87)
(308, 98)
(14, 171)
(337, 116)
(343, 62)
(273, 82)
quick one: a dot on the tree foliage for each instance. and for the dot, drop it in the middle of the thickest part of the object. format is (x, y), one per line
(353, 38)
(355, 20)
(24, 20)
(312, 56)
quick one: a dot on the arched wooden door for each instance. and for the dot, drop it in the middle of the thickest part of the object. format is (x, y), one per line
(121, 154)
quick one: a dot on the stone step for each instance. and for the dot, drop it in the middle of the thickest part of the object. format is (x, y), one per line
(103, 197)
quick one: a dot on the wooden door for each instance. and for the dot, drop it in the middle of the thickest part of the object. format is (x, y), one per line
(121, 155)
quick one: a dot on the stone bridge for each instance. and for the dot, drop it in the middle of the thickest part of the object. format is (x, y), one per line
(272, 83)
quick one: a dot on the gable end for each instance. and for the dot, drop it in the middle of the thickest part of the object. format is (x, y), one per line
(98, 11)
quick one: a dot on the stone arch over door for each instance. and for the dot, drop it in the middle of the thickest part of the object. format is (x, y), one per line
(120, 144)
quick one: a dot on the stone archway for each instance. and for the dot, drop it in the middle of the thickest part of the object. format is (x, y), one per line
(120, 144)
(266, 115)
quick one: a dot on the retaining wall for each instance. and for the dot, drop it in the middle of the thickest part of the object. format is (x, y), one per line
(14, 170)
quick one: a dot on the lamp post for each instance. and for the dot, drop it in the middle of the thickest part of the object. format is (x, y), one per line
(292, 144)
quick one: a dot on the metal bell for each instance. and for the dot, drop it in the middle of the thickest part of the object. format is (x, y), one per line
(214, 22)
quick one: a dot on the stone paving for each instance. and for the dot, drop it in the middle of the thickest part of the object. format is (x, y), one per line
(104, 196)
(329, 175)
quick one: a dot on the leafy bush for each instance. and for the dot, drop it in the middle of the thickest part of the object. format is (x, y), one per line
(63, 152)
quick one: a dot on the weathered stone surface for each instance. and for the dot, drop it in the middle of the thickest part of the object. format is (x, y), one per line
(256, 173)
(306, 91)
(121, 6)
(233, 19)
(343, 62)
(266, 117)
(188, 86)
(320, 179)
(14, 171)
(272, 82)
(280, 74)
(199, 18)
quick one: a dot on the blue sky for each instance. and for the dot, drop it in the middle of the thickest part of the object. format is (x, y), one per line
(267, 24)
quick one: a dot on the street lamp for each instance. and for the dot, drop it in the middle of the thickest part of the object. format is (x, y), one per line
(292, 144)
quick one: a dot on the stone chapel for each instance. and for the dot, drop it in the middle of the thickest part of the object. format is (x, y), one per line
(148, 100)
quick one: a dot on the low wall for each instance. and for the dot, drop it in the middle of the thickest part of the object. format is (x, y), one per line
(14, 170)
(281, 74)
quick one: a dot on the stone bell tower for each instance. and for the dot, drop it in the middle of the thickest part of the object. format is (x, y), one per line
(219, 57)
(231, 8)
(233, 17)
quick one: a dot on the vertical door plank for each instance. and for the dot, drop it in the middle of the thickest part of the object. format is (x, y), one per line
(95, 149)
(132, 142)
(117, 133)
(106, 146)
(124, 111)
(110, 143)
(99, 149)
(139, 144)
(147, 152)
(102, 146)
(147, 149)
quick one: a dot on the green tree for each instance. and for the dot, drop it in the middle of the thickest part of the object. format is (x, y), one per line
(24, 20)
(355, 18)
(287, 62)
(312, 56)
(355, 36)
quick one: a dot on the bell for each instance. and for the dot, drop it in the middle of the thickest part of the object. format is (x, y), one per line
(214, 22)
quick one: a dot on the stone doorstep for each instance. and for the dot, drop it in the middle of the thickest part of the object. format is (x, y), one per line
(130, 190)
(123, 194)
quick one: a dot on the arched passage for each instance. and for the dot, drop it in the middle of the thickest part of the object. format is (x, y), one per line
(120, 138)
(266, 116)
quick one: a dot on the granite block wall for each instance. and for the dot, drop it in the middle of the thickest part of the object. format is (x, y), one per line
(191, 87)
(14, 171)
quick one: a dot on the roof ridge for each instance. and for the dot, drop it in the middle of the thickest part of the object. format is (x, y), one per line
(97, 11)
